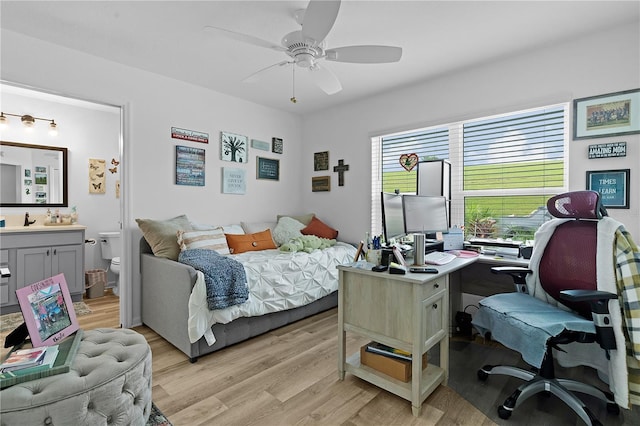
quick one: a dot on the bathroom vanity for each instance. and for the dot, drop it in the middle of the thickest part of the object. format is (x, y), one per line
(33, 253)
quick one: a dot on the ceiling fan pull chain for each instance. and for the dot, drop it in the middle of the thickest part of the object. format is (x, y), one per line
(293, 88)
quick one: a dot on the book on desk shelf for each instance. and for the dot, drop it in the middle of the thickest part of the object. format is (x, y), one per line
(388, 351)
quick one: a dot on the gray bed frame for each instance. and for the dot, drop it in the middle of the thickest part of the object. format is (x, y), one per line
(166, 287)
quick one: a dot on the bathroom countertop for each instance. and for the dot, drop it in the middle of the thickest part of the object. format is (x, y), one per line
(41, 228)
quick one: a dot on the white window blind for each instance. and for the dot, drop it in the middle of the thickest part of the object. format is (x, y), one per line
(511, 165)
(504, 168)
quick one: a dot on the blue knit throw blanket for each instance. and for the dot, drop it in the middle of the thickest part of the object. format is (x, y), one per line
(225, 278)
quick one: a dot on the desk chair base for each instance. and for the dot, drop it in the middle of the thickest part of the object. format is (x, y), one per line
(562, 388)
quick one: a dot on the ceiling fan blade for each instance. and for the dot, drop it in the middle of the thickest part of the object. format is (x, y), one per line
(319, 19)
(364, 54)
(245, 38)
(325, 79)
(259, 74)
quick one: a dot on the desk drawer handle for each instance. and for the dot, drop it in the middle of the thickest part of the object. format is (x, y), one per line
(435, 306)
(436, 285)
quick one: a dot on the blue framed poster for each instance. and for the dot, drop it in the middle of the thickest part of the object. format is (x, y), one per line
(189, 166)
(613, 186)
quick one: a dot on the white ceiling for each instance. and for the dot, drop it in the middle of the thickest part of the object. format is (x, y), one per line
(437, 37)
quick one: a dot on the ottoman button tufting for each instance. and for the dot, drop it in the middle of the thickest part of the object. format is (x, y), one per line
(89, 387)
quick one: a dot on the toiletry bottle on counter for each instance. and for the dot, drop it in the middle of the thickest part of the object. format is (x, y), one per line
(48, 218)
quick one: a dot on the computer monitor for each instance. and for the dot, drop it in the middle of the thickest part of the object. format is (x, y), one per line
(392, 216)
(424, 214)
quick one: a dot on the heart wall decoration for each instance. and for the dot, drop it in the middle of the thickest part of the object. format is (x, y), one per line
(408, 161)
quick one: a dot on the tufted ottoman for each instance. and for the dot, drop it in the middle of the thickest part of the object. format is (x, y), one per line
(109, 384)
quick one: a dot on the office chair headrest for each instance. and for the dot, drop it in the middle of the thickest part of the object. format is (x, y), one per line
(577, 205)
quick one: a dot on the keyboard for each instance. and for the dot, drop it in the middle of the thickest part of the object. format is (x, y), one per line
(438, 258)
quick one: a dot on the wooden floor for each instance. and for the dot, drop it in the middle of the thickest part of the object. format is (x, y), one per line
(289, 376)
(285, 377)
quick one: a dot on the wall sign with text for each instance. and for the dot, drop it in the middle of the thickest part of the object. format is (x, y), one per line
(613, 186)
(606, 150)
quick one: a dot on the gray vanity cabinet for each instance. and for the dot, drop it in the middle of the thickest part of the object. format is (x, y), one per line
(38, 254)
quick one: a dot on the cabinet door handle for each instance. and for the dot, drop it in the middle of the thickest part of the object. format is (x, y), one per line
(47, 252)
(435, 306)
(55, 252)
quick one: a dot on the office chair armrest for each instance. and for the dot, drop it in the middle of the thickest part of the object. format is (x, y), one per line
(598, 301)
(517, 272)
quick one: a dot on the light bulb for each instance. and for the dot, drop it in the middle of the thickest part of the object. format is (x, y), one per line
(53, 128)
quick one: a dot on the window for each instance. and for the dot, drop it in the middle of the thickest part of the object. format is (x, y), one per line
(504, 168)
(388, 174)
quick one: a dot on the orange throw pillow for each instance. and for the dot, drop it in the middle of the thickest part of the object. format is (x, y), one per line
(250, 242)
(319, 229)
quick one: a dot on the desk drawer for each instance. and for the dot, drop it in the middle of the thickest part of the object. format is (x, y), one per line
(435, 313)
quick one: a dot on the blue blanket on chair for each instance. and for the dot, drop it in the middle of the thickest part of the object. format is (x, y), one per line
(224, 277)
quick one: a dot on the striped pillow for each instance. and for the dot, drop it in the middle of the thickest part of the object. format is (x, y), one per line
(211, 239)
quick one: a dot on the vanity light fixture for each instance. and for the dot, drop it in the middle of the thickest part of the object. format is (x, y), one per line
(29, 121)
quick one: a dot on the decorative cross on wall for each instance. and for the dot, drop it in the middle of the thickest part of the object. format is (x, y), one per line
(340, 169)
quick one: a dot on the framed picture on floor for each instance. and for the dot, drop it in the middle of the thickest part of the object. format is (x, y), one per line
(48, 310)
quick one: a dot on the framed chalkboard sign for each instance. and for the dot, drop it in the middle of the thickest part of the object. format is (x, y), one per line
(267, 168)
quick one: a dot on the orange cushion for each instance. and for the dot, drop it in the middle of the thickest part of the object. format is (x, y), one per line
(250, 242)
(319, 229)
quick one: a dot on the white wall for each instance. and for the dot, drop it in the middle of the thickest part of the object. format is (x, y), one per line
(602, 63)
(153, 104)
(87, 131)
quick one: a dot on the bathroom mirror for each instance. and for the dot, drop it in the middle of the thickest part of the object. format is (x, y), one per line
(32, 175)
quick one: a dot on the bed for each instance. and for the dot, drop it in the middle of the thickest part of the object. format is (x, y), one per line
(283, 288)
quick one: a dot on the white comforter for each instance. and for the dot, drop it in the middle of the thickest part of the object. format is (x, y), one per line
(277, 281)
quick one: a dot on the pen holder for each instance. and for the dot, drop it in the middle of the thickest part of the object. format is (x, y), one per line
(374, 256)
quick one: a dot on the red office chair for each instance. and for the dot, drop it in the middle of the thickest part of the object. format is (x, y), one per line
(567, 274)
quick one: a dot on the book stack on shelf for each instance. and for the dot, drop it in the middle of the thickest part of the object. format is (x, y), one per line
(390, 361)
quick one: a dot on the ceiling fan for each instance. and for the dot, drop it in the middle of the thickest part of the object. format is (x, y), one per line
(307, 47)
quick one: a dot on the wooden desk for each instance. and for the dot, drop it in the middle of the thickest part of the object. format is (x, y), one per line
(409, 312)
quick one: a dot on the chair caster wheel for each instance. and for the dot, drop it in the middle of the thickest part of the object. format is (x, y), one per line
(482, 375)
(613, 408)
(503, 413)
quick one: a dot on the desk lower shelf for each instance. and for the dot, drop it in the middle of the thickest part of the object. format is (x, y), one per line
(432, 376)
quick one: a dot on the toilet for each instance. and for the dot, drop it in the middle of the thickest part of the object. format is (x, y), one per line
(110, 248)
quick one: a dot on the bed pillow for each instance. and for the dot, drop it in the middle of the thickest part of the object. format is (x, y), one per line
(235, 228)
(303, 218)
(212, 239)
(320, 229)
(287, 229)
(253, 227)
(161, 235)
(250, 242)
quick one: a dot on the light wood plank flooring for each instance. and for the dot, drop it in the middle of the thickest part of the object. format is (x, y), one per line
(289, 376)
(285, 377)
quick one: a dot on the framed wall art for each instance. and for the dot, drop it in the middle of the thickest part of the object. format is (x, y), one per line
(48, 310)
(614, 114)
(321, 161)
(234, 181)
(613, 186)
(233, 147)
(267, 168)
(321, 184)
(255, 143)
(277, 145)
(189, 166)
